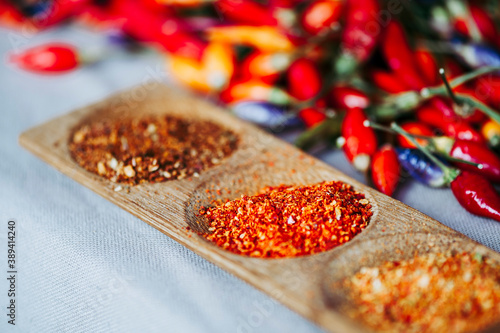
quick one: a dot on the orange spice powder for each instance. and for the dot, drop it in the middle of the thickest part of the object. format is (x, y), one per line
(429, 293)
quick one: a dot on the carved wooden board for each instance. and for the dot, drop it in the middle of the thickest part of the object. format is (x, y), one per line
(304, 284)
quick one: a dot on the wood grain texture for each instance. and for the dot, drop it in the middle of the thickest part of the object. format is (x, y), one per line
(305, 284)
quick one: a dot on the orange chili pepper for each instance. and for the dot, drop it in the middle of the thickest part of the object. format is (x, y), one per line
(491, 132)
(265, 66)
(264, 38)
(254, 90)
(188, 71)
(414, 127)
(212, 73)
(218, 65)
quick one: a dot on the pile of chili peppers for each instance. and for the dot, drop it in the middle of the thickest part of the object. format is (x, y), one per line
(426, 72)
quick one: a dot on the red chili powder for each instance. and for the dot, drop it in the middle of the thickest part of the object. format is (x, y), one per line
(289, 221)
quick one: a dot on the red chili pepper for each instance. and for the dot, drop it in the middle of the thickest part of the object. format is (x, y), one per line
(463, 131)
(311, 116)
(284, 3)
(246, 12)
(428, 114)
(477, 153)
(320, 15)
(476, 194)
(182, 3)
(156, 28)
(476, 116)
(10, 16)
(427, 66)
(360, 141)
(388, 82)
(445, 106)
(453, 69)
(343, 97)
(107, 17)
(57, 12)
(266, 67)
(156, 6)
(450, 126)
(360, 33)
(399, 56)
(487, 89)
(51, 58)
(460, 25)
(97, 17)
(483, 21)
(304, 80)
(417, 128)
(472, 190)
(385, 170)
(458, 127)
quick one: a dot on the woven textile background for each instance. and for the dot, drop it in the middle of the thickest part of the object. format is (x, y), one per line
(87, 266)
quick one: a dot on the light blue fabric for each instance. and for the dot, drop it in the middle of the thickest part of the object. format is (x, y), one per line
(85, 265)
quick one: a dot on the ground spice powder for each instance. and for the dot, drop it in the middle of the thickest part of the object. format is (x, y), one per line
(288, 221)
(152, 149)
(431, 293)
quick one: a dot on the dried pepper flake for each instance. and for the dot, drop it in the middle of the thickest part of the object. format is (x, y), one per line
(152, 149)
(429, 293)
(289, 221)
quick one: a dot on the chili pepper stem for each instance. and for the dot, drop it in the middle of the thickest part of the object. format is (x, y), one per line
(458, 81)
(446, 90)
(428, 93)
(472, 75)
(329, 127)
(457, 160)
(379, 127)
(449, 173)
(492, 114)
(447, 86)
(431, 147)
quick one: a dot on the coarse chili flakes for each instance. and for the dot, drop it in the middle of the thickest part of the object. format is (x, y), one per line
(289, 221)
(429, 293)
(151, 149)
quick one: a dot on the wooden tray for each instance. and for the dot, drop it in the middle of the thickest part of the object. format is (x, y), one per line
(304, 284)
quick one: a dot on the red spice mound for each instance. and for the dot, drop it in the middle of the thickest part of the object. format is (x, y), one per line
(288, 221)
(430, 293)
(151, 149)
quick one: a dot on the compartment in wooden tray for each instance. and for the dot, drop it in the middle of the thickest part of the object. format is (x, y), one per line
(259, 160)
(381, 282)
